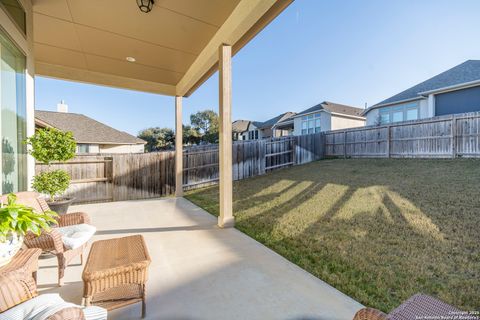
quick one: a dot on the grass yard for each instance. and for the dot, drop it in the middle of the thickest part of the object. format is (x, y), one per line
(379, 230)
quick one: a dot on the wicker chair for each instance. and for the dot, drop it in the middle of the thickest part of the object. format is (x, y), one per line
(19, 287)
(51, 241)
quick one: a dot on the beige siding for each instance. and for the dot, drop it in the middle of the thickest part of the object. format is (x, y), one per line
(340, 122)
(124, 148)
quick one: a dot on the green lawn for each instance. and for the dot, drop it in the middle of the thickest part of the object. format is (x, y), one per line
(378, 230)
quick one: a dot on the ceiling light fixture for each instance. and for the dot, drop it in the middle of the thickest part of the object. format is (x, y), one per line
(145, 5)
(130, 59)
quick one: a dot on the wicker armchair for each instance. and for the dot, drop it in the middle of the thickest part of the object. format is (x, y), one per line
(51, 241)
(19, 287)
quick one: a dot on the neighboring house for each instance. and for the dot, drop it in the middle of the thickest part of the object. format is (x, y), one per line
(267, 129)
(456, 90)
(240, 129)
(91, 136)
(327, 116)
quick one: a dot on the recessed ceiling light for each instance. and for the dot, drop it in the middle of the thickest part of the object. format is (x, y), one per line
(130, 59)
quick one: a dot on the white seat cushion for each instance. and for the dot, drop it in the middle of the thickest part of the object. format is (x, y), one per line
(76, 235)
(31, 308)
(45, 305)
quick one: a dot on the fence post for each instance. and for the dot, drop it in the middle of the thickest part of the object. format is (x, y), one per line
(345, 144)
(454, 136)
(294, 150)
(388, 141)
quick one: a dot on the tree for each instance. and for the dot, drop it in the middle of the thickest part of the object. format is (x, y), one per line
(206, 122)
(157, 138)
(191, 135)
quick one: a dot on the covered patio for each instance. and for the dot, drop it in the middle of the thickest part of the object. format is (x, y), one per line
(201, 267)
(169, 48)
(200, 271)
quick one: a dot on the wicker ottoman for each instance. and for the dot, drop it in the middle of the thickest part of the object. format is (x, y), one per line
(116, 273)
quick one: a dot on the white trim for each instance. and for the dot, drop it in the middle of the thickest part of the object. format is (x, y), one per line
(455, 87)
(332, 113)
(348, 116)
(309, 113)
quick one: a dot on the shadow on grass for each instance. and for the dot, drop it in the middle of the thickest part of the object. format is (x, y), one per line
(409, 226)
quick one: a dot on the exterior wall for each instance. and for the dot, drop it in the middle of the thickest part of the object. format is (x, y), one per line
(325, 124)
(424, 109)
(372, 117)
(339, 122)
(125, 148)
(265, 133)
(297, 126)
(458, 101)
(325, 121)
(25, 43)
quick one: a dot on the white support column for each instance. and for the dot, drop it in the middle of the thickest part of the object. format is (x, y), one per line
(178, 148)
(225, 134)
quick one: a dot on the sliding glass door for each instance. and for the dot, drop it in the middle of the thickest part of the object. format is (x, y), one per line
(12, 116)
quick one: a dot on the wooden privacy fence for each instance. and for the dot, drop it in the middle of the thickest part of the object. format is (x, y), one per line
(119, 176)
(140, 176)
(116, 177)
(440, 137)
(250, 158)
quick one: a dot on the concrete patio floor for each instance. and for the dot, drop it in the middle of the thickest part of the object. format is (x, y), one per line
(199, 271)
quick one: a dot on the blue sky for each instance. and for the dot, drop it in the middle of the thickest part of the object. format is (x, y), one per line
(346, 51)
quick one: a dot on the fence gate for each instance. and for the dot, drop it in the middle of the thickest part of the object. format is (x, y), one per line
(279, 152)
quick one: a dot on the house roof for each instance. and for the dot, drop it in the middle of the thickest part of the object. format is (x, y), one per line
(85, 129)
(333, 107)
(465, 72)
(271, 122)
(240, 126)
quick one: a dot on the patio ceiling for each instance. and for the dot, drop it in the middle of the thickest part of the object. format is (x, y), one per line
(175, 45)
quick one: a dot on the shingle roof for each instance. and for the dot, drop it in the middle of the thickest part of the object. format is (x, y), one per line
(271, 122)
(85, 129)
(465, 72)
(240, 126)
(333, 107)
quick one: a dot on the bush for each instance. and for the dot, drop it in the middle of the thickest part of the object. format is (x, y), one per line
(51, 144)
(52, 183)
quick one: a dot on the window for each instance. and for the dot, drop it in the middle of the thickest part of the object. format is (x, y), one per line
(12, 117)
(83, 148)
(16, 12)
(253, 135)
(403, 112)
(412, 114)
(311, 124)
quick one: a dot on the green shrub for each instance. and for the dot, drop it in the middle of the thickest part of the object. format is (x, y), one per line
(52, 183)
(21, 219)
(51, 144)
